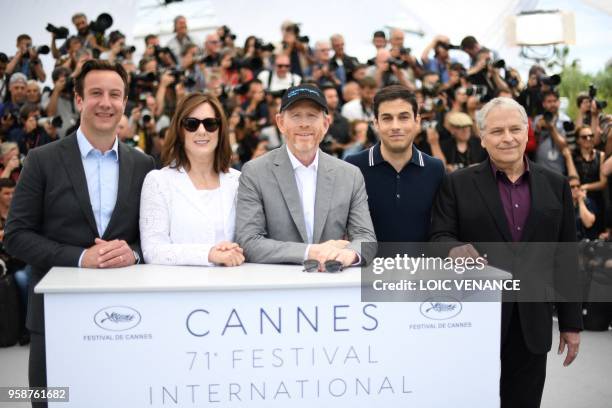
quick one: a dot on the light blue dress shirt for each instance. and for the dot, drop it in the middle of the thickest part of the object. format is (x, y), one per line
(102, 174)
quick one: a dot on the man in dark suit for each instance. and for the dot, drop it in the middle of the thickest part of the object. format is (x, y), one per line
(512, 200)
(77, 200)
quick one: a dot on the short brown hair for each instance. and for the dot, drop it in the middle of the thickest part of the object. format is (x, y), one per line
(173, 152)
(100, 65)
(580, 128)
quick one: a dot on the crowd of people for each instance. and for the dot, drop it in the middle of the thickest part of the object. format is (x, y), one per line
(200, 114)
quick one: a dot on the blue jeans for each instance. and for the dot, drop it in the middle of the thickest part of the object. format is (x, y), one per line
(22, 279)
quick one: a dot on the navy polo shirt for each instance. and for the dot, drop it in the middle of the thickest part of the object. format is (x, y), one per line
(400, 203)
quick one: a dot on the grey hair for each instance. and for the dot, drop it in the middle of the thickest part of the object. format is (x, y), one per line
(499, 102)
(7, 147)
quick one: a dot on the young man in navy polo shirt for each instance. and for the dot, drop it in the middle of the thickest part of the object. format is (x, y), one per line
(401, 181)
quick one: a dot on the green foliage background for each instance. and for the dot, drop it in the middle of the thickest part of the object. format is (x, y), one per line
(574, 81)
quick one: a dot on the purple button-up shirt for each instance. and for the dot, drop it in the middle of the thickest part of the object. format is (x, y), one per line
(515, 198)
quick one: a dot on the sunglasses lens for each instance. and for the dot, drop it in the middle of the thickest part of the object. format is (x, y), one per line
(311, 265)
(211, 124)
(191, 124)
(333, 266)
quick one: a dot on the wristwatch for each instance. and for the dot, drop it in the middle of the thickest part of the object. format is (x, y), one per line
(136, 257)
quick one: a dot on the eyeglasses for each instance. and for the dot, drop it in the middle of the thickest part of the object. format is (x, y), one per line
(575, 186)
(585, 137)
(312, 265)
(192, 124)
(282, 65)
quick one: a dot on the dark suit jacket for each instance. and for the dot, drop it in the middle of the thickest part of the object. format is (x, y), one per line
(51, 222)
(468, 209)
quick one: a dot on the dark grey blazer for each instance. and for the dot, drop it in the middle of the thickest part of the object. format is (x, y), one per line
(51, 222)
(270, 224)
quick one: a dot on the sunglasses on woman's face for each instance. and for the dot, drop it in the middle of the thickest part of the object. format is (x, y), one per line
(192, 124)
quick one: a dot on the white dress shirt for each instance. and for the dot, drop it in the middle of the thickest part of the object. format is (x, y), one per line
(306, 180)
(180, 224)
(102, 174)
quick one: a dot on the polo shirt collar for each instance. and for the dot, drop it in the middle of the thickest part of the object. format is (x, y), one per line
(375, 156)
(85, 147)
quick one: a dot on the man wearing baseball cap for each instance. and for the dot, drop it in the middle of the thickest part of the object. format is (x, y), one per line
(9, 111)
(297, 203)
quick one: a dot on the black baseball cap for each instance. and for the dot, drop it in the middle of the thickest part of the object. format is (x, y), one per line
(303, 92)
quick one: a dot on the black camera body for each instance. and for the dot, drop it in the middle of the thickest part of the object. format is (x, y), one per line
(42, 49)
(259, 45)
(61, 33)
(551, 81)
(601, 105)
(548, 117)
(400, 63)
(101, 24)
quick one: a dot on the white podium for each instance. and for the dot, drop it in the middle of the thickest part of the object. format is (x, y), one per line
(261, 336)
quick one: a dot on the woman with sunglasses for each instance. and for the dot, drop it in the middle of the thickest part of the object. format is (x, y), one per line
(187, 209)
(589, 166)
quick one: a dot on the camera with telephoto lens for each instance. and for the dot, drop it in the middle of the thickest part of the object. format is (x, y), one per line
(570, 129)
(41, 50)
(447, 46)
(147, 77)
(548, 117)
(180, 77)
(480, 92)
(259, 45)
(57, 122)
(296, 30)
(601, 105)
(101, 24)
(60, 32)
(126, 50)
(397, 62)
(551, 81)
(227, 33)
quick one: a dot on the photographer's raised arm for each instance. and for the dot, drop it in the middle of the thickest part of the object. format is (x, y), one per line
(10, 67)
(595, 123)
(54, 50)
(500, 84)
(569, 162)
(55, 94)
(165, 81)
(427, 50)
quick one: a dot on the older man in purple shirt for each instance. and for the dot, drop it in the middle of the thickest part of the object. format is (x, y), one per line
(510, 199)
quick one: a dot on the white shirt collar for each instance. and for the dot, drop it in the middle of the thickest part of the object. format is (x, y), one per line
(295, 163)
(85, 147)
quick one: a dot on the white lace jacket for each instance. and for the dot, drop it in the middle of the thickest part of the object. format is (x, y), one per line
(175, 227)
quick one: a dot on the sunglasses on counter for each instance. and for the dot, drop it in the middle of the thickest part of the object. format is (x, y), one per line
(312, 265)
(192, 124)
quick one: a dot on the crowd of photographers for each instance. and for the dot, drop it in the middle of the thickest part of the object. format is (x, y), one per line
(250, 80)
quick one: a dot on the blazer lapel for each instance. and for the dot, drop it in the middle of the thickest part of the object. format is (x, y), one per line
(536, 185)
(323, 196)
(126, 169)
(283, 171)
(487, 187)
(76, 174)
